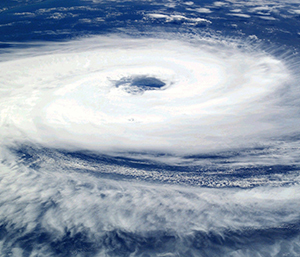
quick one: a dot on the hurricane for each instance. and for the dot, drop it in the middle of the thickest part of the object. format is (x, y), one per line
(152, 128)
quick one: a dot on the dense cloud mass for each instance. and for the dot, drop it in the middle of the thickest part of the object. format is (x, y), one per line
(166, 138)
(90, 94)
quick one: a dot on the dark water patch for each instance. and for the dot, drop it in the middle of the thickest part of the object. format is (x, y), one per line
(32, 155)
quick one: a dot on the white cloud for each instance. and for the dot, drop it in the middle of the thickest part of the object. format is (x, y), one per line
(27, 14)
(219, 4)
(203, 10)
(242, 15)
(215, 97)
(171, 18)
(296, 11)
(189, 3)
(58, 202)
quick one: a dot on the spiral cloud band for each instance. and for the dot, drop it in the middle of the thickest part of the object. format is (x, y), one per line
(142, 95)
(65, 213)
(85, 125)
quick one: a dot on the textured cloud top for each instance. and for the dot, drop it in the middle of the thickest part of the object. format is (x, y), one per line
(92, 94)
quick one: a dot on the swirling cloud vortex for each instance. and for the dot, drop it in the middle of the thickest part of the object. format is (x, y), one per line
(79, 94)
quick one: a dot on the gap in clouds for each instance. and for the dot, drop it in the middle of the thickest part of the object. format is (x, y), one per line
(219, 170)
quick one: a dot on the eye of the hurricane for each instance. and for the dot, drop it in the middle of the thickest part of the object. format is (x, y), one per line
(140, 84)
